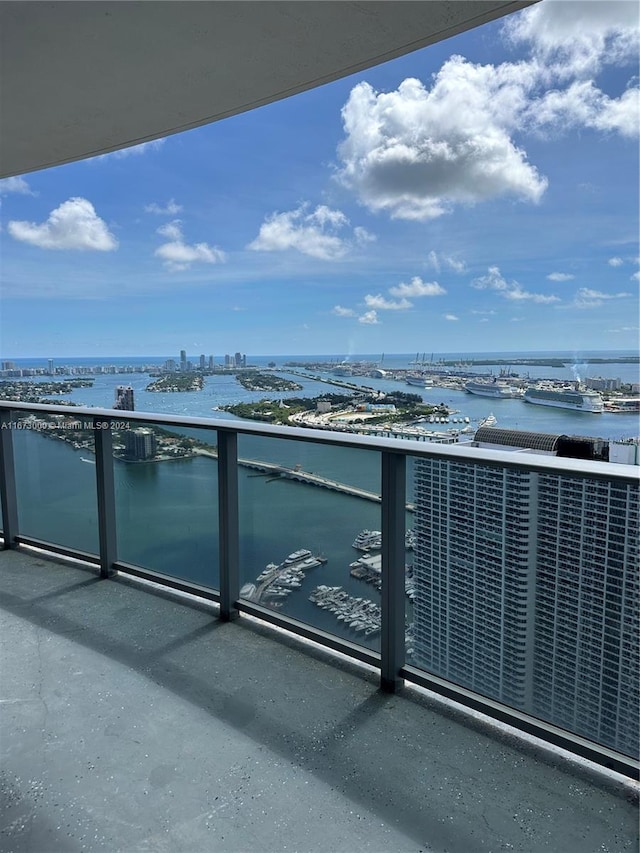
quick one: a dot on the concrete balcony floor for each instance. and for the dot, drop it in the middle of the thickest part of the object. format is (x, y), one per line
(135, 721)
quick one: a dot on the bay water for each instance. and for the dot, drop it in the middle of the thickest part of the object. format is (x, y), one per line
(167, 511)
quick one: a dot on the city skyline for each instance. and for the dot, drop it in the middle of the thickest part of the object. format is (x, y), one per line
(477, 195)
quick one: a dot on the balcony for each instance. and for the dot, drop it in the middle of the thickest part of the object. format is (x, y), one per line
(153, 700)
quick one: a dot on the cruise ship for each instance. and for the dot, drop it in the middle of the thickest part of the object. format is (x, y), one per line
(419, 380)
(491, 388)
(565, 398)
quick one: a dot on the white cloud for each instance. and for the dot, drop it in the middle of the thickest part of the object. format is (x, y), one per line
(635, 276)
(584, 105)
(416, 152)
(598, 294)
(510, 290)
(450, 317)
(455, 264)
(586, 297)
(169, 209)
(492, 281)
(615, 262)
(483, 320)
(421, 149)
(16, 185)
(339, 311)
(178, 255)
(363, 236)
(171, 230)
(417, 287)
(381, 303)
(517, 293)
(433, 261)
(314, 234)
(369, 318)
(577, 38)
(131, 151)
(475, 311)
(73, 225)
(560, 276)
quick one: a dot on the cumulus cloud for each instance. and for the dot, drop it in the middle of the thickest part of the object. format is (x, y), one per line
(560, 276)
(320, 233)
(577, 39)
(450, 317)
(378, 302)
(415, 152)
(615, 262)
(169, 209)
(178, 255)
(494, 280)
(586, 297)
(635, 276)
(417, 287)
(418, 151)
(584, 105)
(73, 225)
(16, 185)
(381, 303)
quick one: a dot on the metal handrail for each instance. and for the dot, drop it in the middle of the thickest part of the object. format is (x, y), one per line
(391, 660)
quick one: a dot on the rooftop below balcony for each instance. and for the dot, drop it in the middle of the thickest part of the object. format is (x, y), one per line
(134, 720)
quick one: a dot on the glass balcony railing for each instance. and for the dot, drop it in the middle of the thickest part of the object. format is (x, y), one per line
(473, 573)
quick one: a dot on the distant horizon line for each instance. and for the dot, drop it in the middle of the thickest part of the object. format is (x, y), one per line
(453, 354)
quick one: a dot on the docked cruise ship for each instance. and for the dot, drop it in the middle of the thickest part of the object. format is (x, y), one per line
(565, 398)
(491, 388)
(419, 380)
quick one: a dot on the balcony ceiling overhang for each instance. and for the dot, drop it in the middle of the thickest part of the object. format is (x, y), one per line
(84, 78)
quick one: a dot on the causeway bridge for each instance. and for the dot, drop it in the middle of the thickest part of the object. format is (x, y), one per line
(284, 472)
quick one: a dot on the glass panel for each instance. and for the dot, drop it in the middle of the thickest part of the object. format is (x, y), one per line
(167, 500)
(526, 590)
(281, 515)
(56, 480)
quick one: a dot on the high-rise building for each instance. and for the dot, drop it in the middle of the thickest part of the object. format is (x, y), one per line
(139, 444)
(527, 588)
(170, 365)
(238, 359)
(183, 359)
(227, 361)
(202, 362)
(124, 398)
(210, 362)
(50, 367)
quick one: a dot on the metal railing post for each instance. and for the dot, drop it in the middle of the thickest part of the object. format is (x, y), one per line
(103, 438)
(392, 644)
(228, 530)
(8, 494)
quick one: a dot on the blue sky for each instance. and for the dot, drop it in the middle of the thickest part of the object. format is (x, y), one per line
(478, 195)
